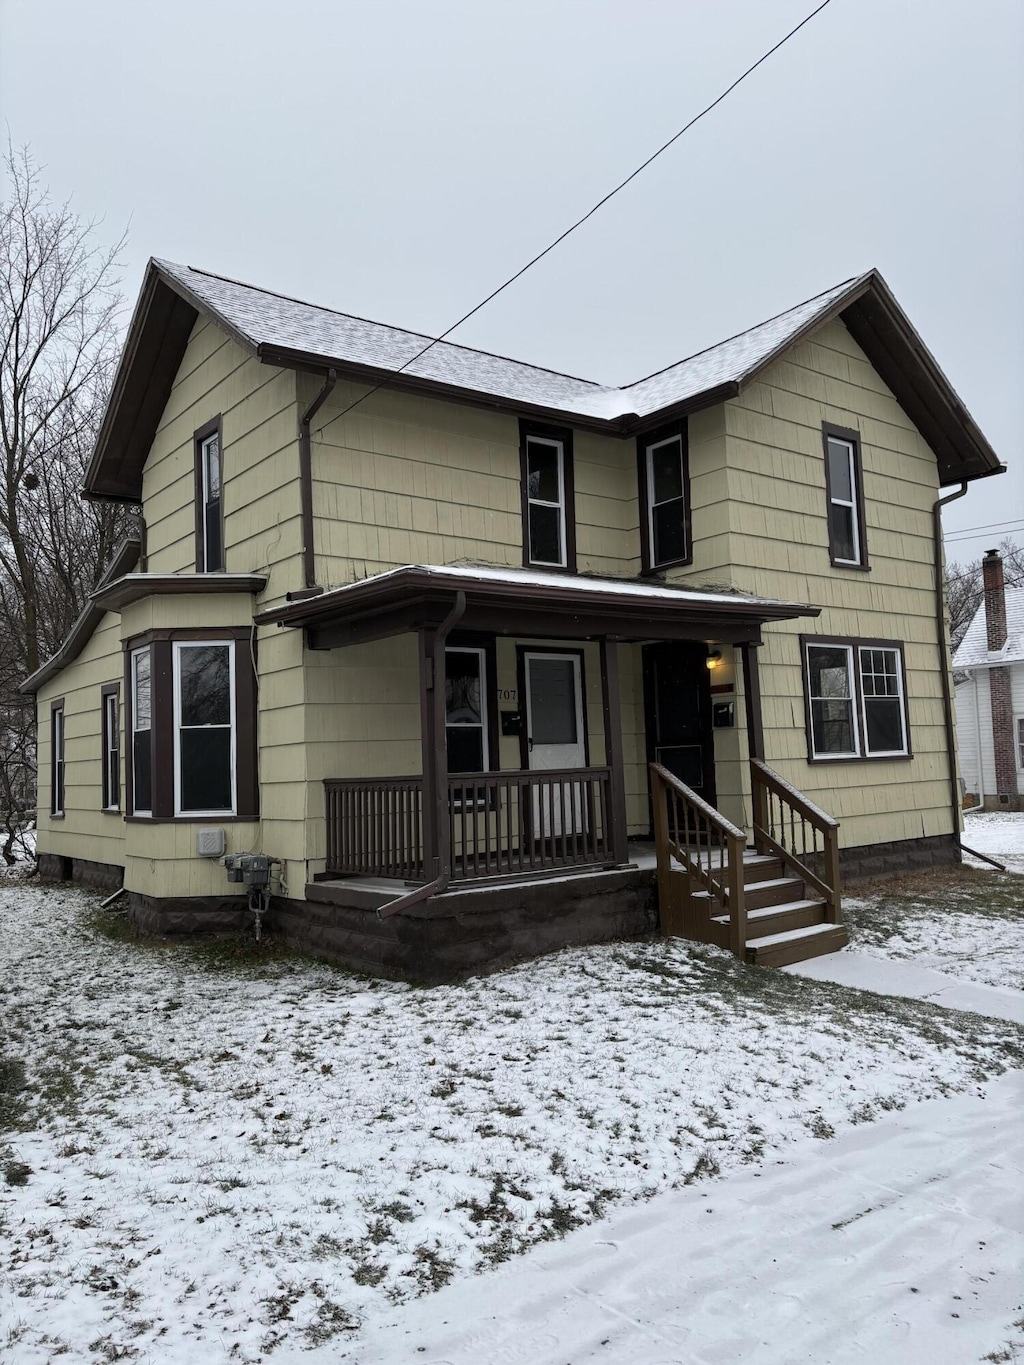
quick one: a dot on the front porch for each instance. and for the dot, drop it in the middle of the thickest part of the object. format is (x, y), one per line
(446, 848)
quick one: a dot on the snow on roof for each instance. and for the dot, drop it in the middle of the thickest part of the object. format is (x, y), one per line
(974, 651)
(626, 587)
(275, 321)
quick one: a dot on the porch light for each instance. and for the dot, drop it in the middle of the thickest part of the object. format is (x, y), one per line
(714, 658)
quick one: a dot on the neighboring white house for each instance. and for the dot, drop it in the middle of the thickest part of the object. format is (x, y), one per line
(990, 701)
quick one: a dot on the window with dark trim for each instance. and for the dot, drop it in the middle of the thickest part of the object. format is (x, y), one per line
(57, 757)
(856, 699)
(110, 740)
(664, 476)
(465, 703)
(549, 521)
(191, 708)
(1019, 725)
(209, 511)
(844, 496)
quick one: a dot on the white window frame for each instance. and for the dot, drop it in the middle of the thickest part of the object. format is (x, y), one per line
(204, 464)
(852, 504)
(144, 811)
(111, 732)
(676, 440)
(481, 655)
(559, 447)
(898, 655)
(58, 761)
(829, 754)
(1018, 741)
(178, 647)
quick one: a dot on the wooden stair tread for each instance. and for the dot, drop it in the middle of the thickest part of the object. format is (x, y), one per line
(791, 935)
(770, 911)
(771, 884)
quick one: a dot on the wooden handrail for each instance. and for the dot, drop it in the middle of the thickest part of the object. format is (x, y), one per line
(785, 834)
(717, 867)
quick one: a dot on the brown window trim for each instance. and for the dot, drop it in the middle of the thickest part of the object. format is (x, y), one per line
(468, 639)
(58, 786)
(855, 642)
(203, 433)
(643, 442)
(160, 643)
(110, 806)
(846, 434)
(563, 434)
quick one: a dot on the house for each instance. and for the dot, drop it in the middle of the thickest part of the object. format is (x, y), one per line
(990, 699)
(447, 642)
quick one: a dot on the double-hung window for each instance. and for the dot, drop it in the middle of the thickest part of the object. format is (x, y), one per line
(141, 680)
(57, 758)
(110, 741)
(856, 699)
(844, 492)
(204, 728)
(664, 499)
(465, 704)
(209, 511)
(549, 533)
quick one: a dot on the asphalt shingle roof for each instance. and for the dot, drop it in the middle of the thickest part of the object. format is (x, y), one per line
(272, 320)
(974, 651)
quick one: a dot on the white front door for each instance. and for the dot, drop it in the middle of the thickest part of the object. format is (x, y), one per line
(555, 737)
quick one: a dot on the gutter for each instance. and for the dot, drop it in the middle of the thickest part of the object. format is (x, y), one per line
(306, 479)
(940, 625)
(444, 849)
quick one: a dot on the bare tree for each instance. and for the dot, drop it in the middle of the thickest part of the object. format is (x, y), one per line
(59, 308)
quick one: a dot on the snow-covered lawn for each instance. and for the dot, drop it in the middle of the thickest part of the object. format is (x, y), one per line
(218, 1156)
(966, 922)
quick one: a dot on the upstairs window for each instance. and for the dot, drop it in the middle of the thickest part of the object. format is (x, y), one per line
(549, 532)
(111, 747)
(57, 757)
(664, 499)
(847, 543)
(209, 511)
(856, 700)
(465, 704)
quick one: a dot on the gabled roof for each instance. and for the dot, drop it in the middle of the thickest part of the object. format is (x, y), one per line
(286, 332)
(974, 651)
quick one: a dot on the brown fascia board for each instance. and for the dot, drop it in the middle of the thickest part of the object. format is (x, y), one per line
(132, 587)
(125, 559)
(414, 585)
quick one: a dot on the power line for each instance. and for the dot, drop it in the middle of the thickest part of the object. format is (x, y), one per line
(580, 221)
(972, 532)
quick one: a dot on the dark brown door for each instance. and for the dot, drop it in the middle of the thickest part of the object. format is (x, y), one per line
(677, 706)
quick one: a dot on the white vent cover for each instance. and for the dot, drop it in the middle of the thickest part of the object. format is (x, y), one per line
(210, 843)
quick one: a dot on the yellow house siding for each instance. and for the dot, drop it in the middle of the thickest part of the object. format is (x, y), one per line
(86, 831)
(779, 545)
(260, 466)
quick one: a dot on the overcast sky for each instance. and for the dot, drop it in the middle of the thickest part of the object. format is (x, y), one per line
(398, 160)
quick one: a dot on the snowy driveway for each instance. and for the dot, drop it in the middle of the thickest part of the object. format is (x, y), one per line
(900, 1242)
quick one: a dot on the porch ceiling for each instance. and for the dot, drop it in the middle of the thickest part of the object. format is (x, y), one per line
(506, 601)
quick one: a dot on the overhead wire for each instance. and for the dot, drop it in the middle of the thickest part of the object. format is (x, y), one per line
(434, 341)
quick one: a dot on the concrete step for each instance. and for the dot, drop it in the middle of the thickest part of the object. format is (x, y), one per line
(796, 945)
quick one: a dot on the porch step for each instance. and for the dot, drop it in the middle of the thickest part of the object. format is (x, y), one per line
(771, 891)
(796, 945)
(778, 919)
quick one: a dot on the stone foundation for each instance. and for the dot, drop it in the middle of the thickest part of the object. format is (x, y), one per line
(55, 867)
(900, 855)
(189, 914)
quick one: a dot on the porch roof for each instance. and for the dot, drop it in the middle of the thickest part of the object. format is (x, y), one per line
(509, 601)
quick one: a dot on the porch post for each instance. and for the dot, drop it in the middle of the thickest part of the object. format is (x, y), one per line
(428, 740)
(613, 747)
(752, 698)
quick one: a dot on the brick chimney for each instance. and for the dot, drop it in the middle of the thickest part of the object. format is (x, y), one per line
(999, 683)
(995, 600)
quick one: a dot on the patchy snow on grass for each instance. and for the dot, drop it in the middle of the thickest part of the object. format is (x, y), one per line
(967, 922)
(219, 1154)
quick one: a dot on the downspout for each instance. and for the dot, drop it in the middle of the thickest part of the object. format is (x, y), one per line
(940, 625)
(440, 882)
(306, 480)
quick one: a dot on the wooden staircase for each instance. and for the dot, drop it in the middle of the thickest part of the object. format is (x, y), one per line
(773, 904)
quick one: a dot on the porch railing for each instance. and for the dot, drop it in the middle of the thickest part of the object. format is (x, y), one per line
(794, 829)
(498, 823)
(709, 849)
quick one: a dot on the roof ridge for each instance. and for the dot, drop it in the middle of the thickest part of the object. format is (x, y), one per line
(389, 326)
(854, 279)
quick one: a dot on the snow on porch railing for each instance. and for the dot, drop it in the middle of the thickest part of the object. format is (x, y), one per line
(710, 850)
(794, 829)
